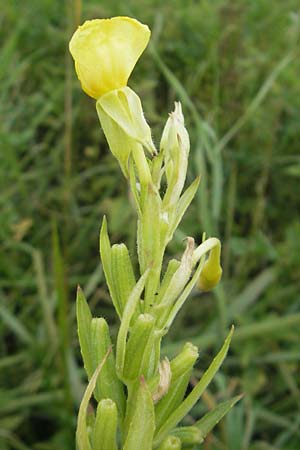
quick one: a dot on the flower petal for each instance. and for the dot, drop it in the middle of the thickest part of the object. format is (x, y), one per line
(105, 52)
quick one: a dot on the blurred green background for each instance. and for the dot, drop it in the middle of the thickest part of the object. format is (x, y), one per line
(234, 64)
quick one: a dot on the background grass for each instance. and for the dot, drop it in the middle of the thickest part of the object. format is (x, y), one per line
(235, 67)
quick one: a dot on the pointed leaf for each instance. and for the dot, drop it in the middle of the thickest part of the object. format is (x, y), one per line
(198, 390)
(84, 319)
(183, 203)
(207, 423)
(105, 252)
(188, 435)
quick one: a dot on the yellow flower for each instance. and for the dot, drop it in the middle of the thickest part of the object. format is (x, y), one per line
(211, 273)
(105, 52)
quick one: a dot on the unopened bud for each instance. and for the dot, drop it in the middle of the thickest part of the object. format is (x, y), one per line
(171, 443)
(212, 271)
(139, 347)
(105, 428)
(175, 145)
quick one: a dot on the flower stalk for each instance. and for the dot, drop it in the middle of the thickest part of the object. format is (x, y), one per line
(141, 398)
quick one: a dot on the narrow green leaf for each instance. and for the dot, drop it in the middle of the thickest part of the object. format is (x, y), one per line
(84, 318)
(207, 423)
(183, 203)
(133, 187)
(127, 315)
(198, 390)
(141, 428)
(82, 435)
(105, 252)
(105, 428)
(173, 265)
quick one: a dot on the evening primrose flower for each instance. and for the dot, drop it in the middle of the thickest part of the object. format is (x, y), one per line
(105, 52)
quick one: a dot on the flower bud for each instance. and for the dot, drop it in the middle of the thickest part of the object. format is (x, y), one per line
(175, 145)
(105, 52)
(139, 347)
(122, 273)
(212, 271)
(171, 443)
(108, 385)
(105, 428)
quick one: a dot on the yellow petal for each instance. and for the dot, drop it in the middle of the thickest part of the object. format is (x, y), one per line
(105, 52)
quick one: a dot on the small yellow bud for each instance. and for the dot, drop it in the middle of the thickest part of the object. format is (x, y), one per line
(105, 52)
(212, 271)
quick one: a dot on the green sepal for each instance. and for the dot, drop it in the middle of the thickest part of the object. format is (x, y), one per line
(119, 142)
(170, 443)
(108, 385)
(82, 433)
(139, 348)
(84, 318)
(105, 427)
(122, 274)
(189, 436)
(105, 253)
(124, 107)
(142, 423)
(128, 313)
(181, 369)
(198, 390)
(207, 423)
